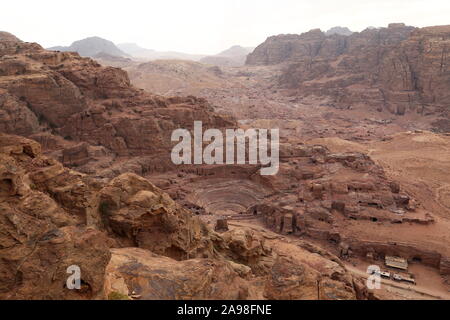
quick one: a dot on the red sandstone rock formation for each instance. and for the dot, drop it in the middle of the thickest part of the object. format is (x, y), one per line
(399, 68)
(90, 117)
(75, 98)
(52, 218)
(40, 237)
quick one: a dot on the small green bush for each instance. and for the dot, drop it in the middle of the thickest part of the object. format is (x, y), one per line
(117, 296)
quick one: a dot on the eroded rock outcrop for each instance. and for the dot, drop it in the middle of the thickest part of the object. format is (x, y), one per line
(319, 188)
(39, 239)
(298, 275)
(399, 68)
(133, 208)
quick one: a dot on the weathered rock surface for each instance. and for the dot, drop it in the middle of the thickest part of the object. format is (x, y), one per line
(316, 44)
(444, 266)
(90, 118)
(399, 68)
(133, 271)
(39, 237)
(154, 277)
(63, 94)
(133, 208)
(52, 218)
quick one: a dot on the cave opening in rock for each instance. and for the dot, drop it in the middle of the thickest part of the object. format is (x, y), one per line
(6, 187)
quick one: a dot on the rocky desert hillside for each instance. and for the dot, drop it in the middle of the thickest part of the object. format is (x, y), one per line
(401, 69)
(87, 113)
(129, 238)
(86, 177)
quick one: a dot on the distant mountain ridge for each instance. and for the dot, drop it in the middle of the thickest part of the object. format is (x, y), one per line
(93, 46)
(232, 57)
(96, 47)
(236, 51)
(139, 52)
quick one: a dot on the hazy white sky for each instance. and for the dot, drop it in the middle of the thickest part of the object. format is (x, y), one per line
(204, 26)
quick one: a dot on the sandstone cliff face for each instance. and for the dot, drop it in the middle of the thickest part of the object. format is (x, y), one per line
(316, 44)
(16, 116)
(399, 68)
(40, 238)
(418, 72)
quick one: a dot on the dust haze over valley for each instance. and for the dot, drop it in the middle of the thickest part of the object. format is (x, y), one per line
(360, 93)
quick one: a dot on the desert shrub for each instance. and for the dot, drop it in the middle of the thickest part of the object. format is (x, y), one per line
(117, 296)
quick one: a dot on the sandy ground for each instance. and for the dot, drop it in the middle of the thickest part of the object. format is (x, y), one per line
(429, 283)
